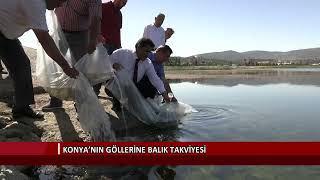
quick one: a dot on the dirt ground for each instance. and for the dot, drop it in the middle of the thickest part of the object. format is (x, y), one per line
(59, 125)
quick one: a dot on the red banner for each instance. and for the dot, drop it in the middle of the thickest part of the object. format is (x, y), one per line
(161, 153)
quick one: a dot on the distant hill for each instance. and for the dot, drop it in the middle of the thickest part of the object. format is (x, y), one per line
(225, 55)
(233, 56)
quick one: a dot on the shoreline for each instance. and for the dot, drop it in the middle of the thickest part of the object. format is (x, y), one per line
(62, 125)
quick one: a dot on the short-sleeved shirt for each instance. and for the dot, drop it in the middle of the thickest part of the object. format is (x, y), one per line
(111, 24)
(19, 16)
(157, 67)
(76, 15)
(156, 34)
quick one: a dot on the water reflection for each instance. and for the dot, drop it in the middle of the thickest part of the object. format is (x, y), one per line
(297, 76)
(275, 105)
(273, 112)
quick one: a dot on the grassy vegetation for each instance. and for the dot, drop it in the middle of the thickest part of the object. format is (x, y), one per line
(225, 67)
(180, 68)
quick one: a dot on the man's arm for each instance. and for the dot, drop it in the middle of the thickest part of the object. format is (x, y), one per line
(51, 49)
(166, 85)
(95, 15)
(168, 88)
(94, 33)
(157, 82)
(114, 60)
(161, 75)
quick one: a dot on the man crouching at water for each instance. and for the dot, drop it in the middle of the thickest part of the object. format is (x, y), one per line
(138, 65)
(158, 57)
(17, 17)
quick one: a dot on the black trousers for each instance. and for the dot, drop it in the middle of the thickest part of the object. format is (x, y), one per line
(18, 65)
(146, 88)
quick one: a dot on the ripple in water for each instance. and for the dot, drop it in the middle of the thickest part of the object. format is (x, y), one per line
(222, 123)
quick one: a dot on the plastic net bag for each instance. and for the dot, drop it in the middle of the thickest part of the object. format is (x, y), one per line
(169, 114)
(92, 117)
(50, 75)
(96, 66)
(149, 111)
(129, 96)
(91, 113)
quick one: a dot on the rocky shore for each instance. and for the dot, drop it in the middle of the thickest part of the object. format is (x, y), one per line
(56, 126)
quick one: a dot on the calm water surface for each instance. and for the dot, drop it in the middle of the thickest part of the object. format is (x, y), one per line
(274, 105)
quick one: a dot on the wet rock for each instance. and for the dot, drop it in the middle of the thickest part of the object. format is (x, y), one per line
(23, 169)
(28, 121)
(13, 139)
(11, 174)
(20, 131)
(4, 121)
(2, 139)
(255, 177)
(10, 125)
(16, 135)
(31, 137)
(25, 128)
(10, 133)
(135, 175)
(2, 124)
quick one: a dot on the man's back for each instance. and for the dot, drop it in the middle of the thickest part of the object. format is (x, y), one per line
(111, 23)
(75, 15)
(18, 16)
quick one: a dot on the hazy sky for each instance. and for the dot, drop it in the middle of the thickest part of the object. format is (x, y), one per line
(217, 25)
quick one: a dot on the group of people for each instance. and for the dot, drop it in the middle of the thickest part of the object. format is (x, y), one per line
(84, 24)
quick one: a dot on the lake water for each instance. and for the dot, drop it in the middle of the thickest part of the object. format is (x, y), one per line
(270, 105)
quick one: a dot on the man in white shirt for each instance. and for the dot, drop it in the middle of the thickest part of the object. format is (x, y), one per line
(17, 17)
(155, 32)
(137, 64)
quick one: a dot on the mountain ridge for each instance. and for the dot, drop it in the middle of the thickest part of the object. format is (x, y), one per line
(294, 55)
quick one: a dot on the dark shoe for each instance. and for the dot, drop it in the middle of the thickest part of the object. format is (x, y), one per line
(109, 93)
(3, 72)
(116, 105)
(26, 112)
(116, 108)
(54, 104)
(163, 172)
(50, 107)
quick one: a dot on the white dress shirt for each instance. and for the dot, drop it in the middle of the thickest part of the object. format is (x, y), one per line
(156, 34)
(127, 58)
(18, 16)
